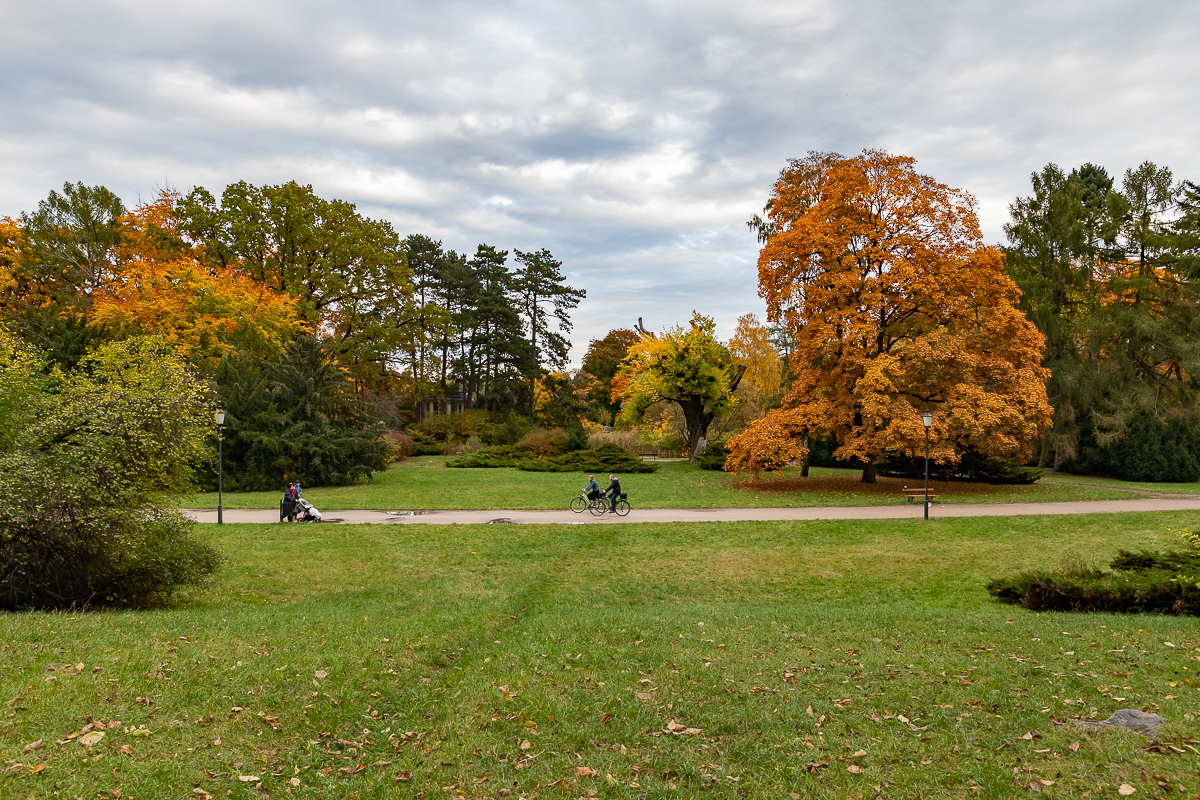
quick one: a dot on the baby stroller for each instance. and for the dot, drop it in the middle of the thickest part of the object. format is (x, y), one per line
(306, 511)
(298, 510)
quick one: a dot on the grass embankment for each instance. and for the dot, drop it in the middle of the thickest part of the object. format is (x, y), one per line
(810, 659)
(425, 483)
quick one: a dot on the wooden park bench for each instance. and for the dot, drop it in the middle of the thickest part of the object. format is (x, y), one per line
(917, 494)
(648, 455)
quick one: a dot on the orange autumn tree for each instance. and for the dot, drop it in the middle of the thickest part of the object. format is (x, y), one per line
(897, 307)
(160, 285)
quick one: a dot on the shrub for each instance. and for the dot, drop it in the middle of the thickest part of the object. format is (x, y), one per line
(1140, 582)
(608, 458)
(426, 446)
(544, 442)
(577, 439)
(514, 427)
(400, 445)
(81, 520)
(1156, 451)
(714, 456)
(500, 456)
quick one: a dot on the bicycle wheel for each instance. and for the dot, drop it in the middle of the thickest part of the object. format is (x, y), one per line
(622, 508)
(598, 508)
(578, 504)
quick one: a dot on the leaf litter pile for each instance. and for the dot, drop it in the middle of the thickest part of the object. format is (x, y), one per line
(559, 687)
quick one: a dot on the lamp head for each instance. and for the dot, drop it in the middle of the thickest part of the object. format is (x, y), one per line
(219, 416)
(927, 419)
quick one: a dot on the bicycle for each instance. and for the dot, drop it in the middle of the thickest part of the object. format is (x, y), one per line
(583, 503)
(603, 507)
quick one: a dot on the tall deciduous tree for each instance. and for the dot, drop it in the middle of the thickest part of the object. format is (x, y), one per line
(690, 368)
(602, 360)
(63, 253)
(347, 272)
(897, 307)
(158, 286)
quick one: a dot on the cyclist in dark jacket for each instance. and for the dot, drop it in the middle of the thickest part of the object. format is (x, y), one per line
(614, 491)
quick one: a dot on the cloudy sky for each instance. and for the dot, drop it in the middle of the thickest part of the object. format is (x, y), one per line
(632, 139)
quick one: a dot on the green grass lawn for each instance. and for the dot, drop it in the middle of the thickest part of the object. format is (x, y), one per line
(425, 483)
(746, 660)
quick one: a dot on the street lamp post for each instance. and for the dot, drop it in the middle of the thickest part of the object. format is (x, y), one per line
(927, 420)
(219, 416)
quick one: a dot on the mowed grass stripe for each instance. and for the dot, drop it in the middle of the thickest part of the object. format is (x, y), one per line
(442, 650)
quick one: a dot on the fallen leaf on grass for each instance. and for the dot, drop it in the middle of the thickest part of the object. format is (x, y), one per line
(127, 749)
(92, 738)
(561, 783)
(404, 776)
(642, 696)
(525, 745)
(321, 674)
(37, 769)
(585, 771)
(1027, 735)
(33, 746)
(1074, 747)
(925, 762)
(249, 778)
(1125, 790)
(854, 769)
(859, 754)
(381, 763)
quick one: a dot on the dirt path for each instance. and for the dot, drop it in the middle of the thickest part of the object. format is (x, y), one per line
(912, 511)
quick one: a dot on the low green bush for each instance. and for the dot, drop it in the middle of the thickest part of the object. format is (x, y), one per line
(1164, 583)
(504, 455)
(714, 457)
(423, 445)
(608, 458)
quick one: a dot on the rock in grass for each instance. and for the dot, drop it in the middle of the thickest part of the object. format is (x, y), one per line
(1130, 719)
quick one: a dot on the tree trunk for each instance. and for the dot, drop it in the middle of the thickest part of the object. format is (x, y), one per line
(1045, 451)
(868, 475)
(698, 417)
(807, 458)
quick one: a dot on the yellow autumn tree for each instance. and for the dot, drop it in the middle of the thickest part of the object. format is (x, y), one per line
(896, 307)
(161, 286)
(751, 345)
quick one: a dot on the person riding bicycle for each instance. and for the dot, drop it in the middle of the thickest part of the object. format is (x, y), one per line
(592, 489)
(614, 491)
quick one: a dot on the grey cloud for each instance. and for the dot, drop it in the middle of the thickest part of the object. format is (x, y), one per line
(632, 139)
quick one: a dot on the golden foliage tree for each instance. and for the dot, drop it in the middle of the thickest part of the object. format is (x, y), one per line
(689, 368)
(161, 286)
(896, 307)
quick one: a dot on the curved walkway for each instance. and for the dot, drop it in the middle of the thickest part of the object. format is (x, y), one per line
(907, 511)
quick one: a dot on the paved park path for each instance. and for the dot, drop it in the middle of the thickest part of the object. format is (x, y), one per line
(907, 511)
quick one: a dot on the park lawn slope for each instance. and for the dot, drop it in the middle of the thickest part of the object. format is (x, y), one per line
(821, 659)
(425, 483)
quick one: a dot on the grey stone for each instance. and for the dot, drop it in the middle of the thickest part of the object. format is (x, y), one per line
(1130, 719)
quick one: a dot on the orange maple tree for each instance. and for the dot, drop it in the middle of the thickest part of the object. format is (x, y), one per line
(897, 307)
(160, 285)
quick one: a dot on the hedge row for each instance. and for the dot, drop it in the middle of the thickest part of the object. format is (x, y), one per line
(1164, 583)
(605, 459)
